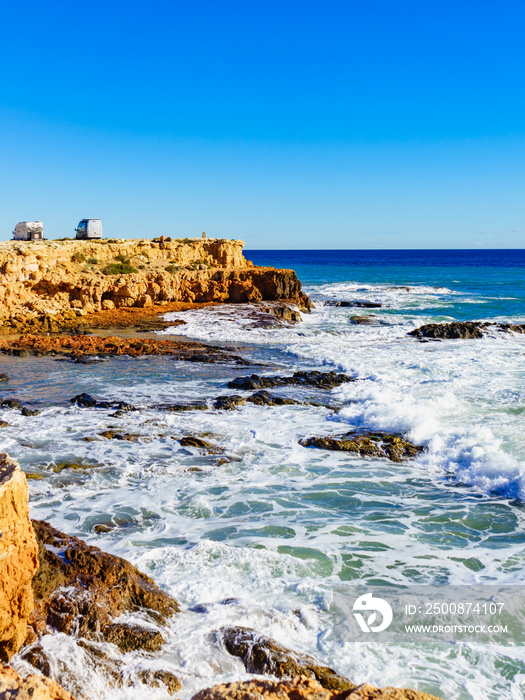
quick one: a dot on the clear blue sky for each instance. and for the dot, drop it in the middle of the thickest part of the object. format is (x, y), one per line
(327, 124)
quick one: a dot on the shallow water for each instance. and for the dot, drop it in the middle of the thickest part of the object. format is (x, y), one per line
(260, 532)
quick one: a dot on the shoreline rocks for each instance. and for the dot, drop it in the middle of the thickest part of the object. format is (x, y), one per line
(302, 688)
(315, 379)
(18, 558)
(49, 286)
(368, 444)
(79, 346)
(265, 656)
(462, 329)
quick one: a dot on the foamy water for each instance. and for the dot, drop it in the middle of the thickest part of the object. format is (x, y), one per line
(260, 533)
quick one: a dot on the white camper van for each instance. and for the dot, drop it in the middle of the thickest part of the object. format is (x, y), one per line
(29, 231)
(89, 229)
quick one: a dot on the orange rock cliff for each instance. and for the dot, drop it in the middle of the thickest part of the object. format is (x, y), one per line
(46, 285)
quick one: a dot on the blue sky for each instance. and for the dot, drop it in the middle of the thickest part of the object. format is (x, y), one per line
(329, 124)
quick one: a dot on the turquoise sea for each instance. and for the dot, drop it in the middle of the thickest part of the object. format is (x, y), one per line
(260, 533)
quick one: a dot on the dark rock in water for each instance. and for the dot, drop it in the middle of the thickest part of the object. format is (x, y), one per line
(193, 441)
(116, 435)
(362, 320)
(3, 377)
(316, 379)
(359, 304)
(368, 444)
(264, 398)
(11, 403)
(79, 590)
(30, 412)
(464, 329)
(263, 655)
(4, 424)
(228, 403)
(128, 637)
(189, 406)
(84, 400)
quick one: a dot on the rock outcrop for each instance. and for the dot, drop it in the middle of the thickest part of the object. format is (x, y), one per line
(32, 687)
(314, 379)
(302, 688)
(368, 444)
(46, 286)
(18, 558)
(265, 656)
(463, 329)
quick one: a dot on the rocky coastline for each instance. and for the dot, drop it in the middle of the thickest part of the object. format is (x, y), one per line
(58, 285)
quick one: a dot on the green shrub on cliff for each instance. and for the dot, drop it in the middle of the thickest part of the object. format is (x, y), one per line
(122, 268)
(78, 257)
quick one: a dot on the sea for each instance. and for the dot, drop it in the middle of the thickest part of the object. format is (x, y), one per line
(260, 532)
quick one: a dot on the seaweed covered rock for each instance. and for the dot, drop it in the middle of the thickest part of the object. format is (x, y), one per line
(368, 444)
(302, 688)
(264, 398)
(80, 589)
(263, 655)
(315, 379)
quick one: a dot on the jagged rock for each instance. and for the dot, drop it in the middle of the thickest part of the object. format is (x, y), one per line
(80, 589)
(264, 398)
(301, 688)
(193, 441)
(466, 329)
(186, 406)
(14, 687)
(316, 379)
(228, 403)
(18, 558)
(4, 424)
(159, 678)
(360, 304)
(85, 400)
(128, 637)
(368, 444)
(30, 412)
(3, 377)
(11, 403)
(263, 655)
(116, 435)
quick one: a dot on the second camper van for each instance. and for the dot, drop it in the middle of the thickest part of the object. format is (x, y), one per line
(89, 229)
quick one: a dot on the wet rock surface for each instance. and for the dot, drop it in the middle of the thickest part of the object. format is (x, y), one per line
(263, 655)
(362, 304)
(315, 379)
(301, 688)
(14, 687)
(464, 329)
(79, 589)
(368, 444)
(3, 377)
(264, 398)
(77, 347)
(228, 403)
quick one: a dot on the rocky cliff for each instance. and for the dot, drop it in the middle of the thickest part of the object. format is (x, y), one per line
(18, 558)
(45, 286)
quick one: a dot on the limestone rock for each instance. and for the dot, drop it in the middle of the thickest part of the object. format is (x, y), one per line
(33, 687)
(302, 688)
(18, 558)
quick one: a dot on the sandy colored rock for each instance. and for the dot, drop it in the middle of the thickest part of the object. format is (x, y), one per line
(18, 558)
(302, 688)
(48, 286)
(368, 443)
(33, 687)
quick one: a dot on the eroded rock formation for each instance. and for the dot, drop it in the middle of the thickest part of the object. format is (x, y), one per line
(18, 558)
(32, 687)
(46, 286)
(368, 444)
(302, 688)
